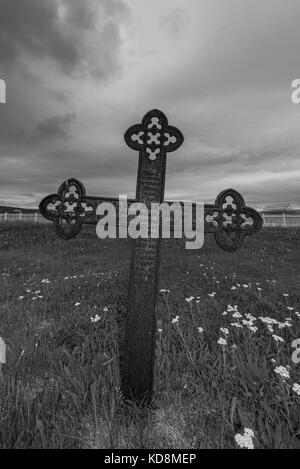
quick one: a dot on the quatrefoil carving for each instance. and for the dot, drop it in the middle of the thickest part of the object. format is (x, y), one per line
(66, 208)
(154, 137)
(152, 154)
(231, 221)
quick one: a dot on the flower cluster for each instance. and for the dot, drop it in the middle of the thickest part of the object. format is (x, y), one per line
(175, 320)
(230, 309)
(96, 318)
(245, 440)
(190, 299)
(222, 342)
(277, 338)
(296, 389)
(282, 371)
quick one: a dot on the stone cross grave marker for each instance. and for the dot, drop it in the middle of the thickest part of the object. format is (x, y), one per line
(228, 219)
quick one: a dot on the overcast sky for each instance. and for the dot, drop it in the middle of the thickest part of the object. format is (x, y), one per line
(80, 72)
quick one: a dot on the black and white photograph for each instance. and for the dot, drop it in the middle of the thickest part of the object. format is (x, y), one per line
(149, 227)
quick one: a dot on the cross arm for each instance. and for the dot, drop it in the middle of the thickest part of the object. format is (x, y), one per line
(229, 219)
(70, 208)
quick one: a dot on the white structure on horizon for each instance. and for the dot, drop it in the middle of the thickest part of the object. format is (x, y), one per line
(286, 208)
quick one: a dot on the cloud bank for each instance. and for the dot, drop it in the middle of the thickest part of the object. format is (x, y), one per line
(80, 72)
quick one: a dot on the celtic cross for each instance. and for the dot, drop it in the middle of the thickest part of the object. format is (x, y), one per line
(228, 219)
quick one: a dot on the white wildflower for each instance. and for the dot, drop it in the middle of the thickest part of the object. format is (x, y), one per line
(245, 440)
(237, 315)
(267, 320)
(282, 371)
(296, 388)
(250, 317)
(222, 341)
(246, 323)
(249, 432)
(190, 299)
(236, 324)
(96, 318)
(281, 325)
(277, 338)
(287, 324)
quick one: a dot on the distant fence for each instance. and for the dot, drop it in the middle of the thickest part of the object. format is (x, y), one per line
(23, 217)
(269, 220)
(281, 220)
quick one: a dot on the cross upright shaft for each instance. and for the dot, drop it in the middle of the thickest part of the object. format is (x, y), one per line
(139, 344)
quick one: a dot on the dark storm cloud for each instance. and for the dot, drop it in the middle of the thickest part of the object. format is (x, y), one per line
(80, 13)
(254, 47)
(55, 127)
(116, 8)
(109, 173)
(221, 71)
(59, 30)
(33, 26)
(50, 50)
(232, 93)
(174, 21)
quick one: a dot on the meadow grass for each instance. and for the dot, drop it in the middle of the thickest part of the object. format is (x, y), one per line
(226, 322)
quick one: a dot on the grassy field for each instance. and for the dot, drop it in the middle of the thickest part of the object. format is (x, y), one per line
(60, 387)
